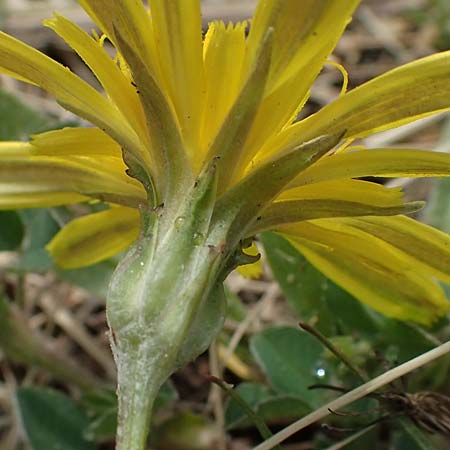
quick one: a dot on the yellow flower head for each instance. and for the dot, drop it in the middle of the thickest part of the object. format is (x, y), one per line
(175, 101)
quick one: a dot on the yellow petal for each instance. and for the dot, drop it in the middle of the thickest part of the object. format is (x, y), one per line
(383, 162)
(117, 86)
(14, 150)
(337, 198)
(304, 38)
(100, 177)
(399, 96)
(95, 237)
(298, 30)
(223, 54)
(429, 247)
(178, 34)
(371, 270)
(131, 18)
(73, 93)
(229, 142)
(254, 270)
(171, 160)
(33, 200)
(346, 189)
(75, 141)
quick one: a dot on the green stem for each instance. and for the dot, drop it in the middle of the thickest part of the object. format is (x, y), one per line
(165, 303)
(139, 380)
(172, 330)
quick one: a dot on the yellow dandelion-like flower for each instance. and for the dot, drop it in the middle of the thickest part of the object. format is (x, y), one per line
(196, 148)
(175, 101)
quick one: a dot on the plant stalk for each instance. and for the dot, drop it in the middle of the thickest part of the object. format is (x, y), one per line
(140, 377)
(165, 303)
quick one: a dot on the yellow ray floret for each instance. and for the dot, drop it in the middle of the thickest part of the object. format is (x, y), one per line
(399, 96)
(371, 270)
(75, 142)
(377, 163)
(346, 189)
(108, 232)
(76, 95)
(102, 177)
(173, 102)
(304, 39)
(430, 248)
(117, 86)
(131, 18)
(181, 64)
(223, 54)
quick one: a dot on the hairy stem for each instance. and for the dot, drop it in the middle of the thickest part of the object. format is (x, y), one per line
(141, 373)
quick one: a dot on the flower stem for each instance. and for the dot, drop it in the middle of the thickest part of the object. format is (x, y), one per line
(139, 380)
(165, 303)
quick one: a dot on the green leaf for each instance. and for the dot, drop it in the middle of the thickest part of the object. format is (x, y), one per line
(437, 212)
(184, 431)
(17, 120)
(311, 294)
(269, 407)
(101, 406)
(411, 438)
(167, 395)
(235, 309)
(40, 228)
(350, 315)
(11, 230)
(303, 285)
(291, 359)
(51, 420)
(253, 394)
(94, 278)
(410, 340)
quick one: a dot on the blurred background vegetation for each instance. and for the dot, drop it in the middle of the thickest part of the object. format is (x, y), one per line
(56, 369)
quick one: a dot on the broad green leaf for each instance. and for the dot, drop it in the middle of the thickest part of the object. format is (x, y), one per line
(18, 121)
(40, 228)
(269, 407)
(235, 309)
(101, 406)
(410, 340)
(292, 360)
(94, 278)
(11, 230)
(51, 420)
(102, 410)
(437, 212)
(303, 285)
(311, 294)
(253, 394)
(350, 315)
(411, 438)
(184, 431)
